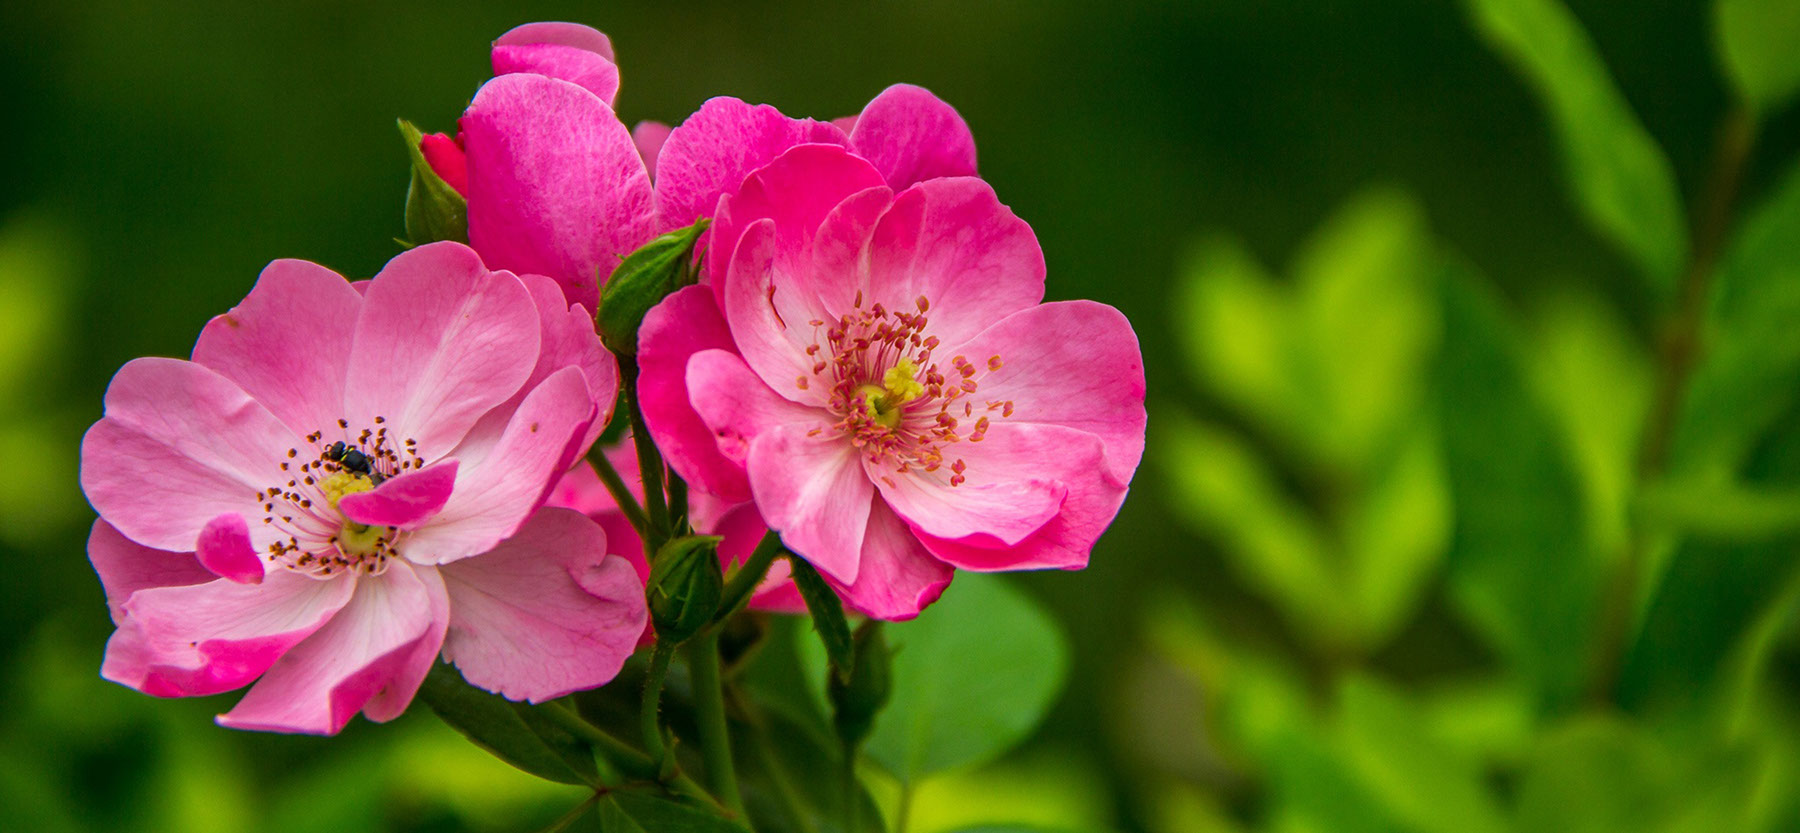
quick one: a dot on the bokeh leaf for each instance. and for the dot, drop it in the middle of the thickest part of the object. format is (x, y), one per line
(972, 675)
(1621, 179)
(1603, 775)
(1756, 42)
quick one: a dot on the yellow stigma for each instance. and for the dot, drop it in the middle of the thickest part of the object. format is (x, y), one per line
(353, 538)
(340, 483)
(898, 388)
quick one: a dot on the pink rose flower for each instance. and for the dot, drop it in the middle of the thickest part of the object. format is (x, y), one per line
(877, 368)
(347, 479)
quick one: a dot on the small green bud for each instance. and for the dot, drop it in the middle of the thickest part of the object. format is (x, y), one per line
(434, 211)
(857, 699)
(685, 586)
(643, 279)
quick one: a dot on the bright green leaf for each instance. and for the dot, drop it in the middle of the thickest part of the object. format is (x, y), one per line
(1620, 178)
(1757, 43)
(1396, 533)
(1419, 779)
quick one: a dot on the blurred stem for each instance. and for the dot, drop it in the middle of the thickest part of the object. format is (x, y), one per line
(650, 715)
(650, 464)
(779, 777)
(629, 760)
(615, 486)
(849, 791)
(749, 574)
(903, 814)
(709, 714)
(1679, 351)
(562, 822)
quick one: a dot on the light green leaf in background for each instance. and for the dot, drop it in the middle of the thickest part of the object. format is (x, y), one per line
(1234, 322)
(1599, 774)
(1758, 42)
(1620, 178)
(971, 677)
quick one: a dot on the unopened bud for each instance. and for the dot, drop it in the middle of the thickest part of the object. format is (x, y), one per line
(643, 279)
(685, 586)
(434, 209)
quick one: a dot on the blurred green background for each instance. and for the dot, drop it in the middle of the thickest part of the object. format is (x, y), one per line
(1394, 560)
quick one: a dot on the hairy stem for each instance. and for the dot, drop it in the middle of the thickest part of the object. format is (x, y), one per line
(749, 574)
(650, 715)
(650, 464)
(709, 713)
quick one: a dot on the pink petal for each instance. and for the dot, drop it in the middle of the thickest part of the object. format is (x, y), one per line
(207, 638)
(498, 494)
(179, 446)
(742, 529)
(798, 190)
(524, 627)
(898, 577)
(405, 501)
(1069, 363)
(738, 407)
(710, 153)
(771, 320)
(1007, 510)
(225, 549)
(441, 341)
(813, 491)
(126, 567)
(1077, 460)
(596, 74)
(556, 186)
(447, 160)
(953, 243)
(580, 489)
(844, 123)
(288, 343)
(371, 647)
(649, 136)
(911, 135)
(563, 34)
(685, 323)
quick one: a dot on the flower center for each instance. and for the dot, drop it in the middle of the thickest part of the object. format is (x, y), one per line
(892, 400)
(320, 540)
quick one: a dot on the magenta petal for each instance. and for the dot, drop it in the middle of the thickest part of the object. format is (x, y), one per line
(545, 613)
(447, 160)
(405, 501)
(898, 577)
(370, 647)
(563, 34)
(911, 135)
(180, 445)
(556, 186)
(710, 153)
(798, 190)
(813, 491)
(684, 324)
(649, 137)
(577, 66)
(1070, 363)
(225, 549)
(495, 496)
(126, 567)
(951, 242)
(206, 638)
(287, 344)
(440, 342)
(759, 303)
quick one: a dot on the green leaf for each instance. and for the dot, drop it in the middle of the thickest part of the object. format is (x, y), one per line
(827, 614)
(1621, 179)
(1756, 42)
(511, 731)
(434, 211)
(635, 812)
(782, 760)
(972, 676)
(1600, 774)
(642, 280)
(1521, 569)
(1721, 512)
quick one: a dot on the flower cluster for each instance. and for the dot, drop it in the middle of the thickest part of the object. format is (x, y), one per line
(350, 479)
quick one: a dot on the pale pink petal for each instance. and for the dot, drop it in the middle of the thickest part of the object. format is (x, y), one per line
(649, 136)
(126, 567)
(447, 160)
(898, 577)
(371, 645)
(911, 135)
(1069, 363)
(1008, 510)
(225, 549)
(710, 153)
(686, 322)
(951, 242)
(844, 123)
(179, 446)
(206, 638)
(563, 34)
(411, 668)
(1077, 461)
(594, 73)
(441, 341)
(737, 407)
(287, 344)
(580, 489)
(556, 186)
(494, 497)
(813, 491)
(523, 626)
(771, 322)
(405, 501)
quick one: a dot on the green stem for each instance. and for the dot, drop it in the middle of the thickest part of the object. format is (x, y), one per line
(749, 574)
(628, 760)
(650, 717)
(562, 822)
(851, 795)
(903, 815)
(615, 486)
(678, 505)
(709, 713)
(650, 464)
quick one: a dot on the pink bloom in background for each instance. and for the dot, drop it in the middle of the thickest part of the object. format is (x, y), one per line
(878, 367)
(347, 479)
(738, 523)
